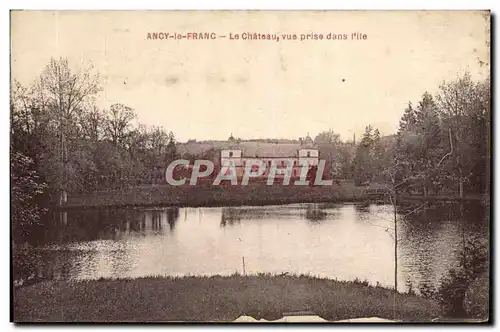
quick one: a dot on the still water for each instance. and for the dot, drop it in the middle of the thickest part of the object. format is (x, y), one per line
(343, 241)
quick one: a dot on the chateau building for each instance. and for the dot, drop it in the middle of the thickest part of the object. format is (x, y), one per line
(282, 154)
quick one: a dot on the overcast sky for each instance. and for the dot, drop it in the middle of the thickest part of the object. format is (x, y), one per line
(258, 89)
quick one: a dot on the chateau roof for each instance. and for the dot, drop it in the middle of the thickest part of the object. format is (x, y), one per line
(249, 149)
(261, 149)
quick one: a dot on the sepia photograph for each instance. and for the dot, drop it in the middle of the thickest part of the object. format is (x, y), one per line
(250, 166)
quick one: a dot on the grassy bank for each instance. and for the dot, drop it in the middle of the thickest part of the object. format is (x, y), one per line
(157, 299)
(227, 195)
(207, 195)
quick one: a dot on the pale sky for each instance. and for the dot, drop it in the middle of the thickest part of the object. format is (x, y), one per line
(208, 89)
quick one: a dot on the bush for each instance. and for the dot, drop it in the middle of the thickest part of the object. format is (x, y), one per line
(359, 282)
(476, 301)
(453, 288)
(24, 266)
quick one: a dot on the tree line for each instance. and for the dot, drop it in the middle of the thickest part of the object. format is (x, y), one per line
(442, 144)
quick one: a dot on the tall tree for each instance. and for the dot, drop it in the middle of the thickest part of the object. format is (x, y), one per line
(408, 121)
(48, 112)
(329, 143)
(91, 123)
(377, 154)
(464, 107)
(118, 124)
(363, 161)
(159, 139)
(428, 149)
(171, 153)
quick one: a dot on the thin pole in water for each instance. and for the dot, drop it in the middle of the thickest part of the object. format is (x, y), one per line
(395, 241)
(243, 259)
(395, 250)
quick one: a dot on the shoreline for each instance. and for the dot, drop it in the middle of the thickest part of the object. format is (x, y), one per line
(251, 195)
(213, 299)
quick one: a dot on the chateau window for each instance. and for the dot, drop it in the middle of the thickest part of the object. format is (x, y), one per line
(230, 154)
(308, 154)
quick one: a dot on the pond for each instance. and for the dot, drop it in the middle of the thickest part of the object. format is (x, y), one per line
(338, 241)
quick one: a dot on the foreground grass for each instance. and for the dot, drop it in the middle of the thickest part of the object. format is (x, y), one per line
(215, 298)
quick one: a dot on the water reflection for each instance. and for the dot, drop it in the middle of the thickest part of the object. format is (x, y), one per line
(362, 211)
(172, 217)
(432, 237)
(230, 216)
(314, 213)
(343, 241)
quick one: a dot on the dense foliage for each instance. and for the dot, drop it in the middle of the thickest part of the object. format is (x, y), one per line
(77, 147)
(442, 145)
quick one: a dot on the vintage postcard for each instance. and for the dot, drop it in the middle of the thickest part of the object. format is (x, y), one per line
(250, 166)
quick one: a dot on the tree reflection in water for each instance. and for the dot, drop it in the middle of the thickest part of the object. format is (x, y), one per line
(362, 211)
(314, 213)
(230, 216)
(172, 217)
